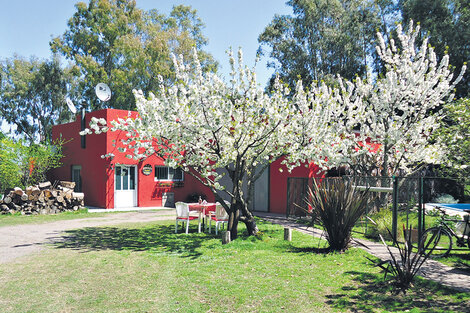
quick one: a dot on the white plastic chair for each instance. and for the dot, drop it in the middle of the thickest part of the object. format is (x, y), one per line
(220, 217)
(182, 214)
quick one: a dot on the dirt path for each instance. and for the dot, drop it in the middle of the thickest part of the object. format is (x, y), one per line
(17, 241)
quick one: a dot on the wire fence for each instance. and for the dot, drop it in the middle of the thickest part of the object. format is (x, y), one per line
(394, 201)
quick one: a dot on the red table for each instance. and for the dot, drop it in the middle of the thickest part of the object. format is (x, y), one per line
(203, 209)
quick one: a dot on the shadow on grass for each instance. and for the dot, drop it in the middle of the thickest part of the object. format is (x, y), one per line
(370, 293)
(308, 250)
(159, 239)
(460, 261)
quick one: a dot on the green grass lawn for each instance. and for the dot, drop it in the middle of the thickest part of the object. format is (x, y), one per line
(148, 268)
(18, 219)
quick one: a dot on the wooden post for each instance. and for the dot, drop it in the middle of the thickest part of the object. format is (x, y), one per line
(287, 234)
(225, 237)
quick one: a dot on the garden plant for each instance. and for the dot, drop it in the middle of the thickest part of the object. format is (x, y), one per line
(336, 205)
(406, 267)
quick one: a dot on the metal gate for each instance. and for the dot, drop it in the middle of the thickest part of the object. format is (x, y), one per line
(297, 191)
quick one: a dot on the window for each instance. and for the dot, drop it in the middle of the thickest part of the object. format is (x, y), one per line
(168, 173)
(125, 177)
(77, 177)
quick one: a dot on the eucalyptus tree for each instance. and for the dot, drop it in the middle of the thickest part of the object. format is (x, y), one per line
(114, 42)
(324, 38)
(32, 95)
(447, 24)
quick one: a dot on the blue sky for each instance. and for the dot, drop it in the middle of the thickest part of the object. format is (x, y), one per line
(26, 26)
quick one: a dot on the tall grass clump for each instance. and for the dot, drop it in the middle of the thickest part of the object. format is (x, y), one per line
(404, 265)
(336, 205)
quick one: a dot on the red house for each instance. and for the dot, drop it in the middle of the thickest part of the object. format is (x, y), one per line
(114, 182)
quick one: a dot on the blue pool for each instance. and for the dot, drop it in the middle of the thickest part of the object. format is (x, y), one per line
(452, 206)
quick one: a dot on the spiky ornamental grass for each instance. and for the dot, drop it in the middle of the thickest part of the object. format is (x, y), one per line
(405, 268)
(337, 206)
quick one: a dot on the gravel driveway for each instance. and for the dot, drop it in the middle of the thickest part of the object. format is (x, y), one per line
(17, 241)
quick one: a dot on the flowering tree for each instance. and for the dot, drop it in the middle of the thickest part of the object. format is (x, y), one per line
(400, 110)
(211, 129)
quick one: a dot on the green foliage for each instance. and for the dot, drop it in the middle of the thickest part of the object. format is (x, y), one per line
(444, 198)
(382, 222)
(454, 134)
(337, 206)
(447, 24)
(32, 95)
(114, 42)
(324, 38)
(11, 163)
(22, 165)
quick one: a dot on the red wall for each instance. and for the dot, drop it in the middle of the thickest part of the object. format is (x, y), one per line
(93, 166)
(150, 193)
(278, 183)
(98, 174)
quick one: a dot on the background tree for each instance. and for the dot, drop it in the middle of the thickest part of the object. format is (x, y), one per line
(323, 39)
(23, 163)
(454, 133)
(447, 24)
(32, 95)
(114, 42)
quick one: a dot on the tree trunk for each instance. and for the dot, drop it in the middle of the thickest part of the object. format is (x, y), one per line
(249, 221)
(233, 217)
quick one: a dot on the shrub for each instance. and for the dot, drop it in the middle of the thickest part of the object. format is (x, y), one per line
(382, 221)
(194, 197)
(23, 164)
(445, 198)
(337, 206)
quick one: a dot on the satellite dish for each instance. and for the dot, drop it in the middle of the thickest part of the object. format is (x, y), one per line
(72, 107)
(103, 92)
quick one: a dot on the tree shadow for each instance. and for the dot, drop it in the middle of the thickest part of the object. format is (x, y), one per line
(371, 293)
(309, 250)
(157, 239)
(461, 262)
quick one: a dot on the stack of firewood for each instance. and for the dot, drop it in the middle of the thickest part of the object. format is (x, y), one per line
(44, 198)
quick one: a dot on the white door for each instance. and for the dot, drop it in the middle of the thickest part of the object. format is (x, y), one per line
(125, 186)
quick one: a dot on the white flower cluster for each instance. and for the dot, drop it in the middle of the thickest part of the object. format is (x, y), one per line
(107, 155)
